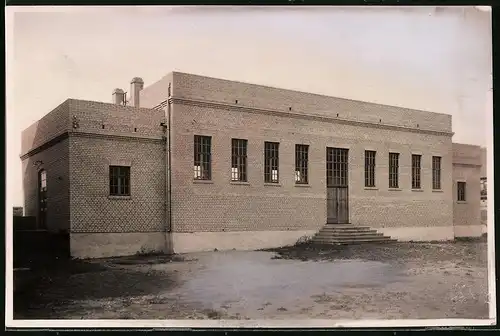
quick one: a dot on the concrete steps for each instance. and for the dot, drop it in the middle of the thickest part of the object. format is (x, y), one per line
(344, 234)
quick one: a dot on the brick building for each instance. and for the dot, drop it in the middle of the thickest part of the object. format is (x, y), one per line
(195, 163)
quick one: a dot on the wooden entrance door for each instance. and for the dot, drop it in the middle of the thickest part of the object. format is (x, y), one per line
(42, 199)
(337, 199)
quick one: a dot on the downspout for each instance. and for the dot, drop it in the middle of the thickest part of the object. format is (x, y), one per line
(169, 156)
(168, 171)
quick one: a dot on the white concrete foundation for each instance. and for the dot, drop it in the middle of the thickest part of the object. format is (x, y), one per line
(440, 233)
(101, 245)
(469, 230)
(240, 240)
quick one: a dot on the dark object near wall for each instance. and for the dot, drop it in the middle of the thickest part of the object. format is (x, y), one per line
(37, 248)
(24, 223)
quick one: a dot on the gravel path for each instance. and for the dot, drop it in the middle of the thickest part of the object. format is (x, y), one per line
(386, 281)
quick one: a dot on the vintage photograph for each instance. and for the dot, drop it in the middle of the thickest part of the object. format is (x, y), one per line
(227, 165)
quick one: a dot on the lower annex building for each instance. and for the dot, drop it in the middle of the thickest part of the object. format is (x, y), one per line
(194, 163)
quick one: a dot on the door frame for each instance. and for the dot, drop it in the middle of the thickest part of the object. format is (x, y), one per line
(342, 208)
(337, 183)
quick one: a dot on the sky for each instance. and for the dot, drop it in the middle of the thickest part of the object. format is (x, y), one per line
(434, 59)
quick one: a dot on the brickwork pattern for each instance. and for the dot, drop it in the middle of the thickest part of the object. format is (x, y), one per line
(218, 90)
(256, 206)
(468, 161)
(156, 93)
(50, 126)
(117, 119)
(92, 210)
(55, 161)
(468, 212)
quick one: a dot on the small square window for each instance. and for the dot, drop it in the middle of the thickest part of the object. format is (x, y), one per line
(119, 181)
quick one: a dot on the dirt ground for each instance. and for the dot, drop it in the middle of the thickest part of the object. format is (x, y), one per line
(385, 281)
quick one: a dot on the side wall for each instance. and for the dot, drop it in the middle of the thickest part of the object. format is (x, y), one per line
(45, 143)
(55, 161)
(103, 225)
(243, 213)
(467, 168)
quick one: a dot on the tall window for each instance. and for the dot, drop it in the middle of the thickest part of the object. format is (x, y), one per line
(119, 181)
(202, 157)
(484, 193)
(393, 170)
(370, 168)
(271, 162)
(336, 167)
(436, 172)
(239, 160)
(301, 164)
(415, 171)
(461, 191)
(43, 180)
(42, 199)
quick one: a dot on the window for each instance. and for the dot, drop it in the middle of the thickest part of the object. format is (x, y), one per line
(370, 168)
(461, 191)
(239, 160)
(393, 170)
(336, 167)
(415, 171)
(202, 157)
(43, 180)
(119, 181)
(301, 164)
(483, 189)
(271, 162)
(436, 172)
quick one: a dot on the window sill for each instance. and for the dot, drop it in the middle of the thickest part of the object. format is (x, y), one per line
(240, 183)
(418, 190)
(437, 190)
(303, 185)
(120, 197)
(371, 188)
(203, 181)
(394, 189)
(270, 184)
(461, 202)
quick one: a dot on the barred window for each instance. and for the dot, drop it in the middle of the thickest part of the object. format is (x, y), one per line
(393, 170)
(119, 181)
(239, 160)
(271, 162)
(336, 167)
(436, 172)
(415, 171)
(43, 180)
(461, 191)
(301, 164)
(370, 168)
(484, 193)
(202, 157)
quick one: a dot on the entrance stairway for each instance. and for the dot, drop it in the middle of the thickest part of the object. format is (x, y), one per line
(344, 234)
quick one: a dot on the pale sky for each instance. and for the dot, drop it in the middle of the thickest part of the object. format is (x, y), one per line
(422, 58)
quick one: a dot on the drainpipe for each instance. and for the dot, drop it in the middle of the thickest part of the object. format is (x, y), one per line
(168, 171)
(169, 156)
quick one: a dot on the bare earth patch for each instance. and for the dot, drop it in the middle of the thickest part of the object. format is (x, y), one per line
(394, 281)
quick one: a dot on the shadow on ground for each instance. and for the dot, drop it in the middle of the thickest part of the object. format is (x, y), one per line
(65, 280)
